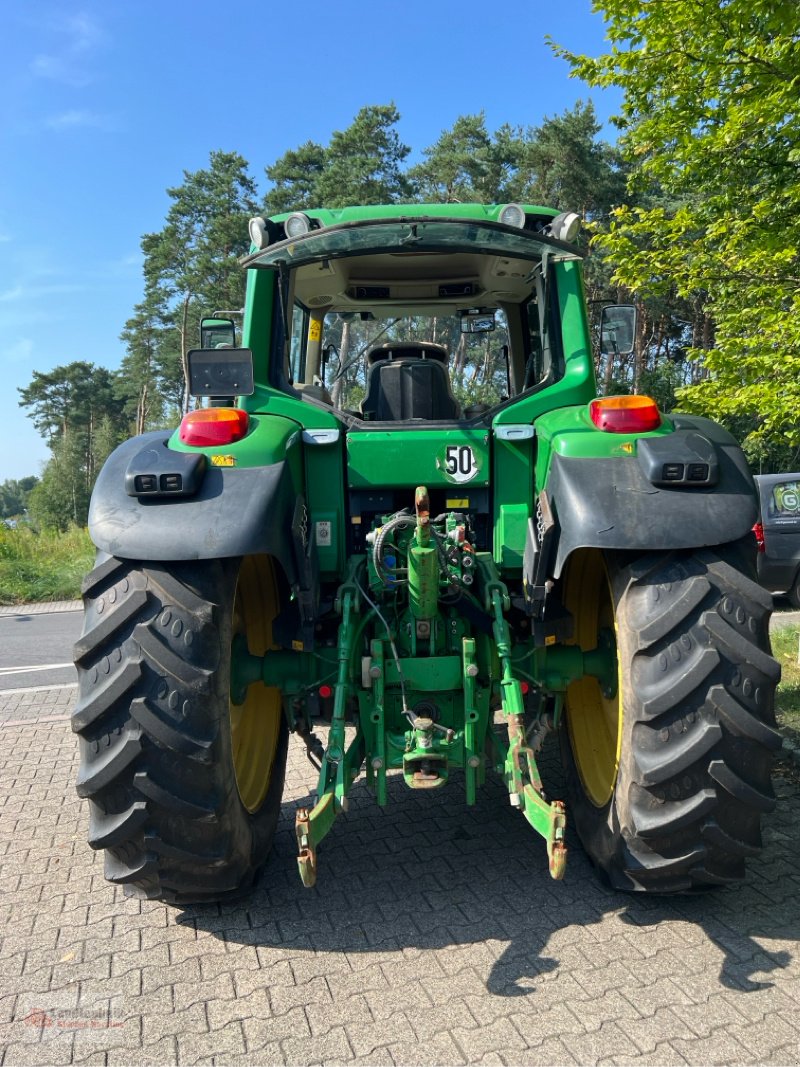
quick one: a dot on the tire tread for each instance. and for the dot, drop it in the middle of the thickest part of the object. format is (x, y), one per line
(152, 701)
(698, 725)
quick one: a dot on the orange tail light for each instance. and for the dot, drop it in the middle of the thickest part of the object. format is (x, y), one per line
(625, 414)
(213, 426)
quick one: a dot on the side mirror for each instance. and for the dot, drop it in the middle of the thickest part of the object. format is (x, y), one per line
(215, 332)
(617, 329)
(220, 372)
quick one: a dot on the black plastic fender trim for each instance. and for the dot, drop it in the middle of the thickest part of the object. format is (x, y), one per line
(235, 512)
(610, 503)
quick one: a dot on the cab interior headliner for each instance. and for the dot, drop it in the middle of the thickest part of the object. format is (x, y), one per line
(413, 280)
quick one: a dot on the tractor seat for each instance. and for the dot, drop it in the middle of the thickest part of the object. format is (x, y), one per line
(409, 380)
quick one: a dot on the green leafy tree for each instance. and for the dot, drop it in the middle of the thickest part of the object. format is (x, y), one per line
(14, 495)
(463, 165)
(61, 498)
(711, 122)
(192, 264)
(563, 164)
(149, 380)
(294, 179)
(72, 396)
(363, 164)
(76, 410)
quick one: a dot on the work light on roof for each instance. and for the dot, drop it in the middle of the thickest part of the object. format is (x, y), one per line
(565, 226)
(512, 215)
(297, 224)
(259, 233)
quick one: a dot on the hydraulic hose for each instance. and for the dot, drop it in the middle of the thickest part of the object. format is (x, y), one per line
(401, 519)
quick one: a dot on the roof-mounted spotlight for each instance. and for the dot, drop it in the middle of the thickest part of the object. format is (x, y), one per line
(297, 224)
(260, 234)
(512, 215)
(565, 227)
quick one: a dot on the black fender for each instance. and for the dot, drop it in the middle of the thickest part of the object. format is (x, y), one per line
(231, 512)
(624, 503)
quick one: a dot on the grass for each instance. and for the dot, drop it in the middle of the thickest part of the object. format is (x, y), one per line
(785, 643)
(37, 567)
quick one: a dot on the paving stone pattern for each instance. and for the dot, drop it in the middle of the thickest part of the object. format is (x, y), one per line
(434, 936)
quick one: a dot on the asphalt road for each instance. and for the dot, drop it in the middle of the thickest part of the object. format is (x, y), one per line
(36, 649)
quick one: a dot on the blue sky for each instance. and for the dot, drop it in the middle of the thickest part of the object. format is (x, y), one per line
(104, 105)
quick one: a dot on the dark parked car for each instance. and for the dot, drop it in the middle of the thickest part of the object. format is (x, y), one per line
(778, 534)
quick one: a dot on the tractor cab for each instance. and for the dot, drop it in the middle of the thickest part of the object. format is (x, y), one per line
(405, 321)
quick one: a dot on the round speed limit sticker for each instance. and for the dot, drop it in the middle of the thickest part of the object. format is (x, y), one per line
(459, 464)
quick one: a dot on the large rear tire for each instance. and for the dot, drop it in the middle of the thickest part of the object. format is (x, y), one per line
(184, 786)
(668, 773)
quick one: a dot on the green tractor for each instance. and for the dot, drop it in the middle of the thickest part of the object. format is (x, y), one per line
(399, 513)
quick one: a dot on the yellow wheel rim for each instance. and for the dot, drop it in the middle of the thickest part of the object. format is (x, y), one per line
(594, 720)
(255, 723)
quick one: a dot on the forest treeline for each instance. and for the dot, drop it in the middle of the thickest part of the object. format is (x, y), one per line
(693, 215)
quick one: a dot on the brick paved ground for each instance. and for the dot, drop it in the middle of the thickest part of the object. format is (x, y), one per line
(434, 936)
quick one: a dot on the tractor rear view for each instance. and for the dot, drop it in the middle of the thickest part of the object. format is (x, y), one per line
(400, 514)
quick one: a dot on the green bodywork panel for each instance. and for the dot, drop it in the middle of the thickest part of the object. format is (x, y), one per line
(513, 499)
(570, 432)
(577, 386)
(268, 440)
(401, 458)
(326, 506)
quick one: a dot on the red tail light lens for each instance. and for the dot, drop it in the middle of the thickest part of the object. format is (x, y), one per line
(213, 426)
(758, 530)
(625, 414)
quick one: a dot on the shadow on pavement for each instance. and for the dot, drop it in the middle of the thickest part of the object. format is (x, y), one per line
(428, 873)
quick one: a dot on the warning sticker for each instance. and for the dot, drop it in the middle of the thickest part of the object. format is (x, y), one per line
(324, 533)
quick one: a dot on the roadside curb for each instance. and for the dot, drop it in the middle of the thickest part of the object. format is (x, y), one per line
(40, 609)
